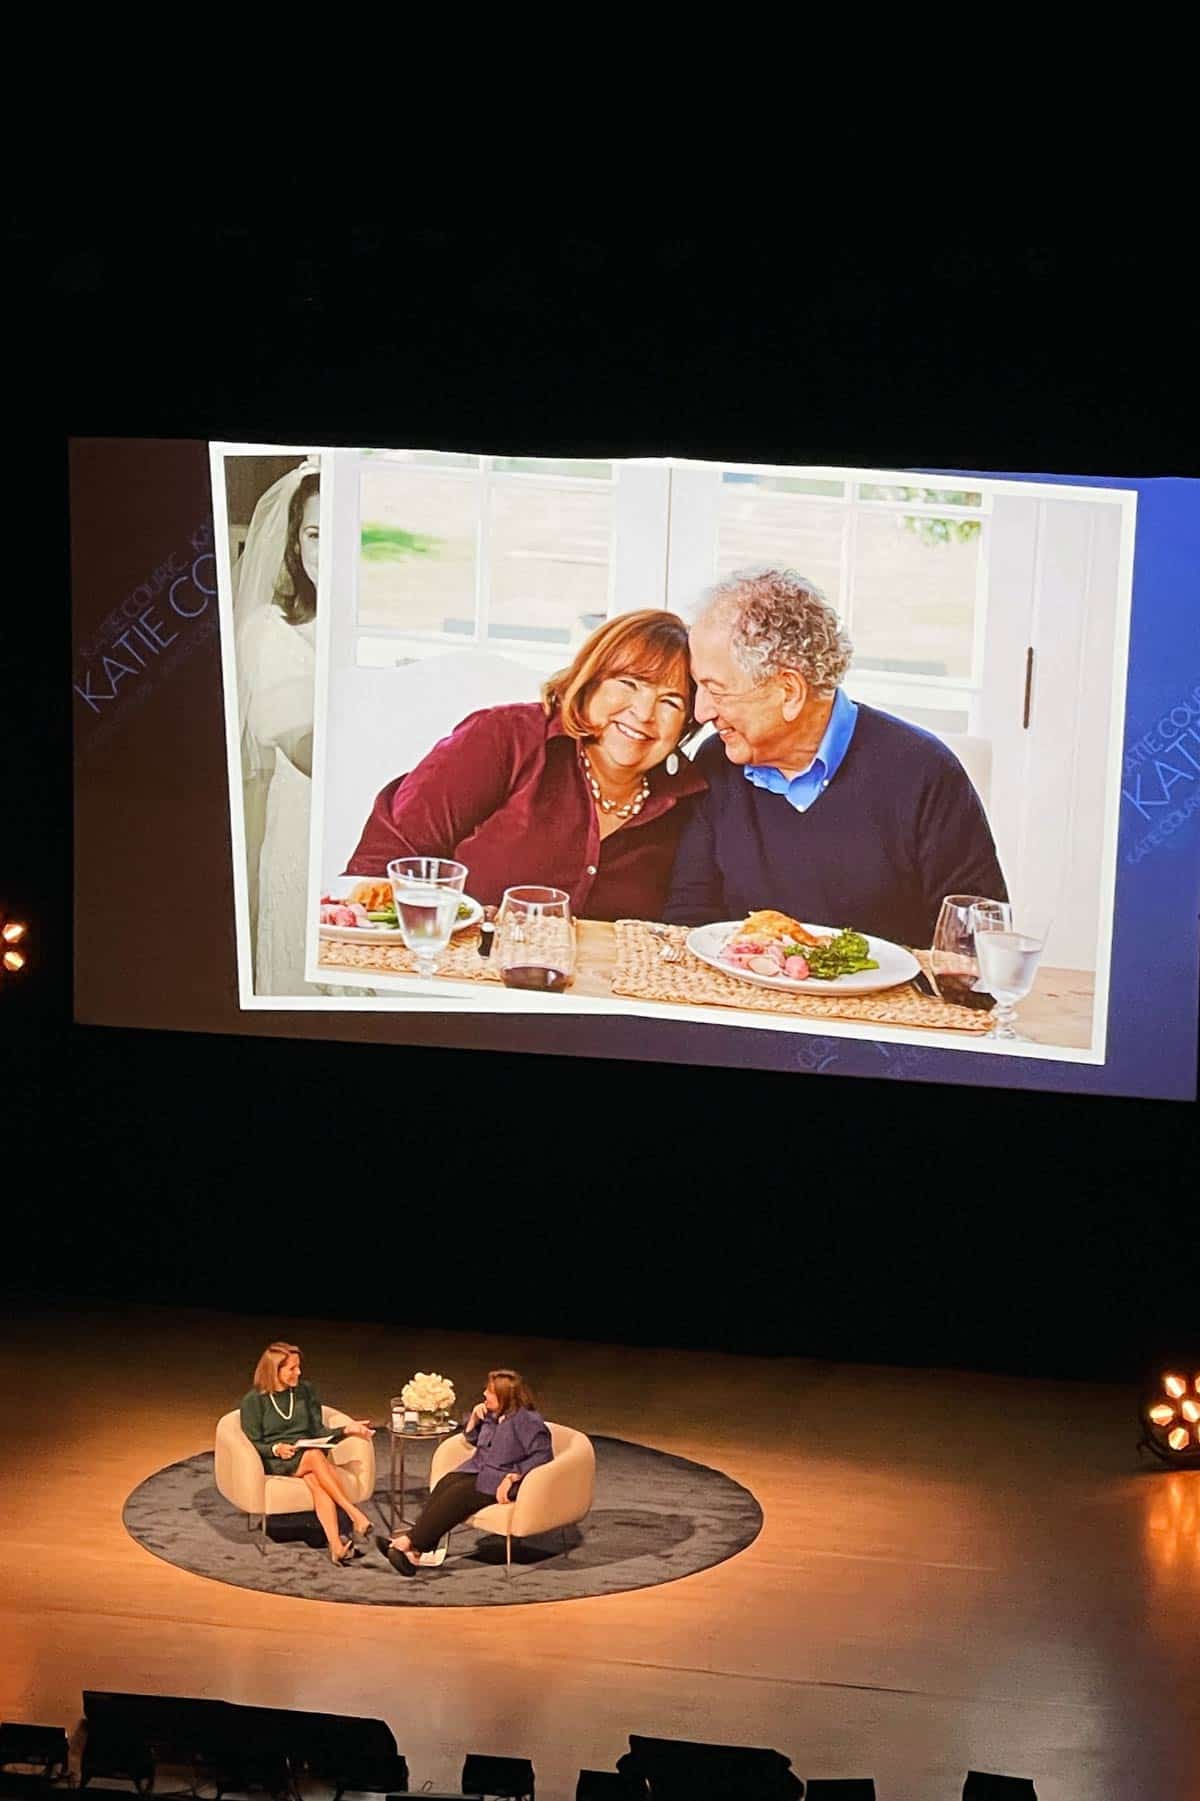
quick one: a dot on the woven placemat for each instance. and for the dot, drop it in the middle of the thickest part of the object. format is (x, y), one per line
(643, 974)
(461, 962)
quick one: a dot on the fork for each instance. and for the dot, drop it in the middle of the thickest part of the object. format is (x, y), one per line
(670, 952)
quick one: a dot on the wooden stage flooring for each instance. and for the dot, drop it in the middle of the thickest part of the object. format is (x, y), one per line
(954, 1570)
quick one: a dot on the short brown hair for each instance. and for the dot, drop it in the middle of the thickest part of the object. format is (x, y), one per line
(650, 644)
(512, 1390)
(266, 1370)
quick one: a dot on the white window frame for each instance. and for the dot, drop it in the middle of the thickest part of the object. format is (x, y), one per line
(675, 555)
(884, 687)
(411, 644)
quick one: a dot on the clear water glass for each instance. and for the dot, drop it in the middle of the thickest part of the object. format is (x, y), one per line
(1008, 961)
(427, 892)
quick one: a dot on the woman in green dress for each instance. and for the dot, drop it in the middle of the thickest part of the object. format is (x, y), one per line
(281, 1408)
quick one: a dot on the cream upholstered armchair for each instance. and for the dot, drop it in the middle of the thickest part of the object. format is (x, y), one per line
(241, 1478)
(556, 1494)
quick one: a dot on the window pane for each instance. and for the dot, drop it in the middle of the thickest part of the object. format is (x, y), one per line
(548, 554)
(913, 605)
(550, 466)
(785, 484)
(426, 459)
(937, 497)
(417, 559)
(765, 528)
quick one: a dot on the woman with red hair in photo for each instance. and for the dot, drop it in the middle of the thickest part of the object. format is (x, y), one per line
(585, 790)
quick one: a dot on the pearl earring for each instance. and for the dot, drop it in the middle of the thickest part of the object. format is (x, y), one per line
(672, 764)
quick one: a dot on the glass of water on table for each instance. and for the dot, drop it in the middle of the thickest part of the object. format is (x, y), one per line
(427, 891)
(1008, 946)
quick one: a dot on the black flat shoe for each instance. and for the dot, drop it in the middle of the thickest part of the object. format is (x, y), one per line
(399, 1561)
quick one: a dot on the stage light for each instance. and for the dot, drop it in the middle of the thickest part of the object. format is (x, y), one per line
(844, 1788)
(607, 1785)
(39, 1754)
(507, 1777)
(980, 1786)
(677, 1770)
(1171, 1419)
(348, 1754)
(11, 933)
(115, 1747)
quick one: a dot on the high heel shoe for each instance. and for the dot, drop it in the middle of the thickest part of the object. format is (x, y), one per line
(346, 1556)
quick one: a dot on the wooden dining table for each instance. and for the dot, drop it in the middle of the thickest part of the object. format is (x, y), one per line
(1059, 1010)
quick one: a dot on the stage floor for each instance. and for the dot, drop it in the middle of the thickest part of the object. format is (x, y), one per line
(954, 1570)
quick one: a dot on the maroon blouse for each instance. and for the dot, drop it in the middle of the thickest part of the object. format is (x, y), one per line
(505, 794)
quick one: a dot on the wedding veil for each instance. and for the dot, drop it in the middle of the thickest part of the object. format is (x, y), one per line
(255, 575)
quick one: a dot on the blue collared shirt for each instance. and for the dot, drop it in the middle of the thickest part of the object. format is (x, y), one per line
(803, 789)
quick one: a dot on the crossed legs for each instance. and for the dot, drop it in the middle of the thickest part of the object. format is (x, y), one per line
(320, 1476)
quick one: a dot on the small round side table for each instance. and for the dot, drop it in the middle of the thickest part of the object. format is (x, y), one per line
(414, 1435)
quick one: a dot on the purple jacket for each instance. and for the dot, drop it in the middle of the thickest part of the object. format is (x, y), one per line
(513, 1445)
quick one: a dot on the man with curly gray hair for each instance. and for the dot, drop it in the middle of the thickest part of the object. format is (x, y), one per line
(817, 805)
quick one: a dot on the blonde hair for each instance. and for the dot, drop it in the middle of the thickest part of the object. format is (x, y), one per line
(651, 645)
(512, 1390)
(266, 1370)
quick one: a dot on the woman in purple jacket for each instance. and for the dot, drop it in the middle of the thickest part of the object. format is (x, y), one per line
(510, 1438)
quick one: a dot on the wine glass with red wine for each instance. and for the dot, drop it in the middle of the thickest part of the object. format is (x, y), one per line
(535, 939)
(952, 954)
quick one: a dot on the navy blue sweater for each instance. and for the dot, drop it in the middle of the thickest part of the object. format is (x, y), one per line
(898, 828)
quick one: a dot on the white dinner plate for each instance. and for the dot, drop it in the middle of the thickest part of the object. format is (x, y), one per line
(896, 965)
(342, 886)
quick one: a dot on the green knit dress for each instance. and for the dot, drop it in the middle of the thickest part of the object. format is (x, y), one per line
(266, 1422)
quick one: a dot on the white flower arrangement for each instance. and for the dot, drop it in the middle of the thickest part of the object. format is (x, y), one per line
(428, 1393)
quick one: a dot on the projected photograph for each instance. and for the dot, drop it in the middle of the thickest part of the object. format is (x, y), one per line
(798, 750)
(267, 508)
(270, 551)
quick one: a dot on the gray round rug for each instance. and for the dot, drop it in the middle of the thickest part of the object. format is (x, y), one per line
(655, 1518)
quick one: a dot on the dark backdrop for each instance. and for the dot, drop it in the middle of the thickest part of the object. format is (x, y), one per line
(797, 1213)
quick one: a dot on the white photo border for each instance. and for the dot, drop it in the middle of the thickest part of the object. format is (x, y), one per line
(411, 994)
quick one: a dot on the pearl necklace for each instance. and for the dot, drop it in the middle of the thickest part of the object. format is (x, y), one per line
(630, 809)
(279, 1409)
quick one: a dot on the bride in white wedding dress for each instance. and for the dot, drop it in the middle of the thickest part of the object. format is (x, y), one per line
(275, 605)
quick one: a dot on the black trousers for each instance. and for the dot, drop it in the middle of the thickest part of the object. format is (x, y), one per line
(454, 1500)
